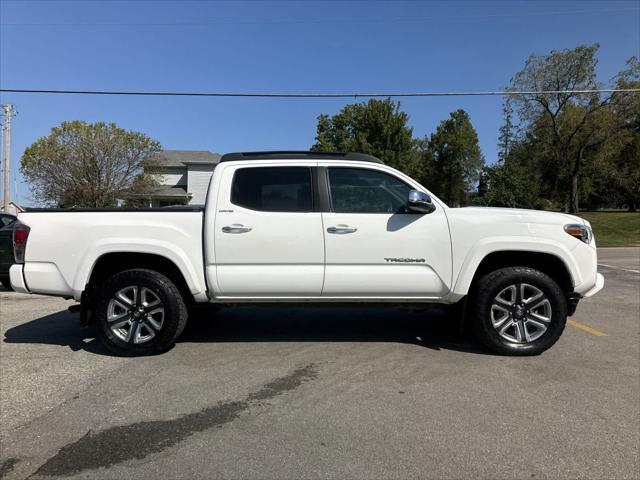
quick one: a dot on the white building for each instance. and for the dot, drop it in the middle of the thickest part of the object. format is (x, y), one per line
(183, 177)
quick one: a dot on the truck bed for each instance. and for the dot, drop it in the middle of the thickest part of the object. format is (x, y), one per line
(65, 244)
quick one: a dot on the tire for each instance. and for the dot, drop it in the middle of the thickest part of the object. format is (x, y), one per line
(139, 312)
(6, 284)
(507, 308)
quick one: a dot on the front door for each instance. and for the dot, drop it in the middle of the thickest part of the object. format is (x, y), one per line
(374, 246)
(268, 233)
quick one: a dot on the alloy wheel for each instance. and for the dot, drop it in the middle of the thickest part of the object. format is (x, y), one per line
(521, 313)
(135, 314)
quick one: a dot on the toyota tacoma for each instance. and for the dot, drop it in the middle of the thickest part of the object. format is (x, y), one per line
(309, 227)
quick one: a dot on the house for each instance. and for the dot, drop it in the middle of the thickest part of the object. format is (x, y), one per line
(182, 177)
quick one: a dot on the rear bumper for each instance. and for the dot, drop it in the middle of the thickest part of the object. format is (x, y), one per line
(16, 277)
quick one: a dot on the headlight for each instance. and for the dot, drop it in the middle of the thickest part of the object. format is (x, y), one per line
(581, 232)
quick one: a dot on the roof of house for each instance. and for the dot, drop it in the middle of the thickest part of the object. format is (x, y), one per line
(181, 158)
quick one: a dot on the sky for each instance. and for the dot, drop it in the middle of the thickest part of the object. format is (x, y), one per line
(281, 46)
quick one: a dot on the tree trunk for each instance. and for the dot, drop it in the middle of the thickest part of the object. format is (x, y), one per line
(573, 203)
(573, 200)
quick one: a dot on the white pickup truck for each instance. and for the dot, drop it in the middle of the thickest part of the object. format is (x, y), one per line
(309, 227)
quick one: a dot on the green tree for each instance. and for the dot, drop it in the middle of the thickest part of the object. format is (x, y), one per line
(514, 182)
(457, 159)
(87, 165)
(573, 129)
(377, 127)
(625, 167)
(506, 138)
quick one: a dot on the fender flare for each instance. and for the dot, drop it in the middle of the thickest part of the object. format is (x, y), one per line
(490, 245)
(127, 245)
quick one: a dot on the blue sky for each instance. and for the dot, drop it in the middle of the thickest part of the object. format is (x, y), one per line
(282, 46)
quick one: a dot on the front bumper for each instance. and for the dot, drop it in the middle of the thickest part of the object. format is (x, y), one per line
(597, 287)
(16, 277)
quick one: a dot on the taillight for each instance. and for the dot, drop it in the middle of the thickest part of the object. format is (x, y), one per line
(20, 236)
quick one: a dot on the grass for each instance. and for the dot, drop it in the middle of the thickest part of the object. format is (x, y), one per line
(614, 229)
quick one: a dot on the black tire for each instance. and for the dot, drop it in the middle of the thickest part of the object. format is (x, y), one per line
(6, 284)
(482, 302)
(154, 285)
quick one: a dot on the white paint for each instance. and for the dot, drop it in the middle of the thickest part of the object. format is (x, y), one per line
(283, 254)
(290, 256)
(619, 268)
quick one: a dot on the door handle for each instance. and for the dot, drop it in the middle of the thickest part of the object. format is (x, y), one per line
(236, 228)
(341, 229)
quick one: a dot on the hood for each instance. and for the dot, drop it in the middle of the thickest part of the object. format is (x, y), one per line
(530, 216)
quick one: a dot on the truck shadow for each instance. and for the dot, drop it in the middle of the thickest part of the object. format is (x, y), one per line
(430, 328)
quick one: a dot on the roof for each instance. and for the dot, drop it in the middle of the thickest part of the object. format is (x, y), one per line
(163, 191)
(181, 158)
(297, 155)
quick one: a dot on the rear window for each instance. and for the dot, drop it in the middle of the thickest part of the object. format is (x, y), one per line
(273, 189)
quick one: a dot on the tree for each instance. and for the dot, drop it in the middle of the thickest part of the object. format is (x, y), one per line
(625, 168)
(457, 159)
(377, 127)
(568, 125)
(506, 136)
(514, 182)
(87, 165)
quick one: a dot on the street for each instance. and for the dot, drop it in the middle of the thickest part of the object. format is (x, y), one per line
(288, 392)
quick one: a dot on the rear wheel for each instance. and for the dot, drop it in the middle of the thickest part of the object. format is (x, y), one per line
(6, 284)
(518, 311)
(139, 312)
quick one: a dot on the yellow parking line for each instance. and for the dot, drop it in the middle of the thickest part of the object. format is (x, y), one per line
(584, 328)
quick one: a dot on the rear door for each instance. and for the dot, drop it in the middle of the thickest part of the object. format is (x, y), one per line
(374, 246)
(268, 232)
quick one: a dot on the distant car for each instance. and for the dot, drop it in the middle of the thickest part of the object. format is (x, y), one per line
(7, 222)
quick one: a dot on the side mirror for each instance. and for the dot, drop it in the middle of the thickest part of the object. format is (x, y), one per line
(420, 202)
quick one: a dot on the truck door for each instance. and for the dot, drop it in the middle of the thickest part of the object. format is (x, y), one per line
(374, 246)
(268, 238)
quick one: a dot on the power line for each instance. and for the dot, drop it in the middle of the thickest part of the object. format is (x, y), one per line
(316, 21)
(315, 95)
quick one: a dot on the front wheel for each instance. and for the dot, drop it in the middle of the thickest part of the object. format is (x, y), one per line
(518, 311)
(139, 312)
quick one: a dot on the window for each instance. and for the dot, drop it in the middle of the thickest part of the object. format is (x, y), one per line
(358, 190)
(273, 189)
(6, 220)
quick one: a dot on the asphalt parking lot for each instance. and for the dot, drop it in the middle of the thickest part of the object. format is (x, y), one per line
(324, 393)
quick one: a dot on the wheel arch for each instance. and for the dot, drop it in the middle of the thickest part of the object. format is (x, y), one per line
(548, 263)
(111, 263)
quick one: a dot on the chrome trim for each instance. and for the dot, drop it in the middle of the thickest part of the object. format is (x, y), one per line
(420, 202)
(341, 229)
(236, 228)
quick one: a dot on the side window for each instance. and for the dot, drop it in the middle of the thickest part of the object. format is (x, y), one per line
(273, 189)
(358, 190)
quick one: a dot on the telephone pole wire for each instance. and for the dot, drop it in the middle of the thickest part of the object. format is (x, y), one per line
(8, 113)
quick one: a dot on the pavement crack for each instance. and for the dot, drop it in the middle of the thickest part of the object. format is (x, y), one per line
(138, 440)
(7, 465)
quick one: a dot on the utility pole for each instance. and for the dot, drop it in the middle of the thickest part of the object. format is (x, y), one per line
(8, 113)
